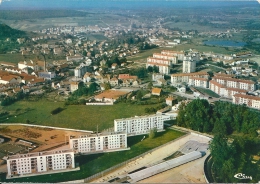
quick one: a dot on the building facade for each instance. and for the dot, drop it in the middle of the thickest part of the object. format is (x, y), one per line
(198, 82)
(235, 83)
(179, 78)
(189, 66)
(40, 162)
(99, 143)
(250, 101)
(140, 124)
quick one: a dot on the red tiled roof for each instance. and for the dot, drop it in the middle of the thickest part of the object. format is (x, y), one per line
(247, 96)
(189, 74)
(234, 80)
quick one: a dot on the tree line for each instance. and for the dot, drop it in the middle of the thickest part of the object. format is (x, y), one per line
(235, 136)
(222, 117)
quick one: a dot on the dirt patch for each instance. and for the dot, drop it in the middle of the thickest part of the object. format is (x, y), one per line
(44, 138)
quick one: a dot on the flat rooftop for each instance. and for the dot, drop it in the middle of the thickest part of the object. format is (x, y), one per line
(45, 153)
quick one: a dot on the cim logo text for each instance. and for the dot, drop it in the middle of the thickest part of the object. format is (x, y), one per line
(242, 176)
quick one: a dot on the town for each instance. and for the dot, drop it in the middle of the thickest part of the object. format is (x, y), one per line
(91, 99)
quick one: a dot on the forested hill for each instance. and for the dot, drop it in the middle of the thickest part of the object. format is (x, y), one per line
(8, 32)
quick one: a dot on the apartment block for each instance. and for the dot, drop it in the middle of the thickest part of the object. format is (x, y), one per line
(95, 143)
(217, 87)
(224, 91)
(40, 163)
(189, 66)
(250, 101)
(199, 82)
(179, 78)
(179, 54)
(163, 68)
(172, 58)
(140, 124)
(235, 83)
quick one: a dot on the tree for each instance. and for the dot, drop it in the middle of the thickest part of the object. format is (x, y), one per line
(107, 86)
(150, 69)
(92, 88)
(139, 95)
(150, 85)
(152, 133)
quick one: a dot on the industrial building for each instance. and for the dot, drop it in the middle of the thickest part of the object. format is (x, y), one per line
(39, 163)
(140, 124)
(99, 143)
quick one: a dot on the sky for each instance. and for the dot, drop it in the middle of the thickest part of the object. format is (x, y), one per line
(83, 4)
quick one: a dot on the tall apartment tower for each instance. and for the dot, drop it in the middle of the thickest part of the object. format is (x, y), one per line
(189, 65)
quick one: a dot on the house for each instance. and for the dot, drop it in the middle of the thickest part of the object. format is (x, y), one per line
(156, 76)
(113, 81)
(170, 101)
(156, 91)
(131, 78)
(161, 82)
(74, 86)
(9, 79)
(111, 95)
(114, 66)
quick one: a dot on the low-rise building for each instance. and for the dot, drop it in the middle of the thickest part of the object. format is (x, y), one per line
(74, 86)
(95, 143)
(170, 101)
(156, 91)
(40, 163)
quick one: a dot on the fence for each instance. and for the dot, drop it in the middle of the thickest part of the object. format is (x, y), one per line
(101, 103)
(41, 126)
(86, 180)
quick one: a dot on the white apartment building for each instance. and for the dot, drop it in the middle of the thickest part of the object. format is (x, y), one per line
(230, 92)
(80, 70)
(217, 87)
(179, 78)
(159, 61)
(225, 91)
(235, 83)
(140, 124)
(250, 101)
(198, 82)
(40, 162)
(163, 68)
(189, 66)
(99, 143)
(179, 54)
(172, 58)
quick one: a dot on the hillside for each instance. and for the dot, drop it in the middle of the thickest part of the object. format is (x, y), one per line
(8, 32)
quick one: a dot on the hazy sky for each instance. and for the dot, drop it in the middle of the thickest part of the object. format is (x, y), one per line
(84, 4)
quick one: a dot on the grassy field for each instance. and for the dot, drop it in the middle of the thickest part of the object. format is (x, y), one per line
(73, 116)
(202, 48)
(208, 92)
(91, 164)
(12, 58)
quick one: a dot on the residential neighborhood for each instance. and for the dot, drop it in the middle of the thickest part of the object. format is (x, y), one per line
(129, 92)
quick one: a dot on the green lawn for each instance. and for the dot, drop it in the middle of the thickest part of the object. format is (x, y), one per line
(73, 116)
(91, 164)
(208, 92)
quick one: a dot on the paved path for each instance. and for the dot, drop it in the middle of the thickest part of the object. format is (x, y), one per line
(155, 157)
